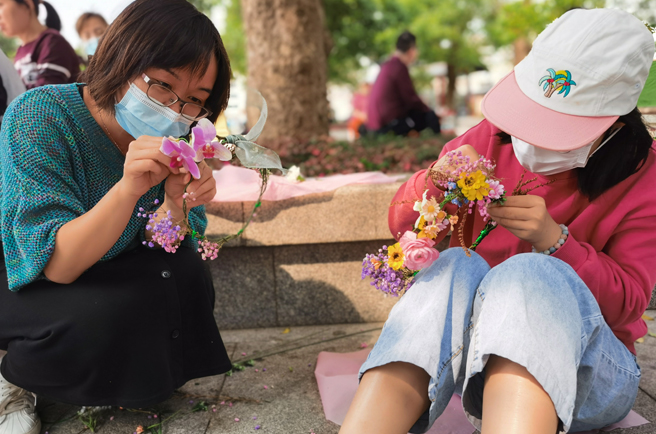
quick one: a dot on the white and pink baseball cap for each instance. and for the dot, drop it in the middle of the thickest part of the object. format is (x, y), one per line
(585, 70)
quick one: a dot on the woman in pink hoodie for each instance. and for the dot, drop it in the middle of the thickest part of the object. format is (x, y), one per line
(535, 330)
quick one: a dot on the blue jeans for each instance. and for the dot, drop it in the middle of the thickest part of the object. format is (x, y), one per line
(532, 309)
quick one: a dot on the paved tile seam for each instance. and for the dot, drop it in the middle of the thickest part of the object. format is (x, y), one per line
(275, 284)
(647, 393)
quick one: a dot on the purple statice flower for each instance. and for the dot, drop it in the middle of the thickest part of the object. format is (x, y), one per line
(384, 278)
(165, 233)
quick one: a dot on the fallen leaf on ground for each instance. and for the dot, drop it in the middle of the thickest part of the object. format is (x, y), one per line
(640, 340)
(652, 334)
(647, 317)
(287, 330)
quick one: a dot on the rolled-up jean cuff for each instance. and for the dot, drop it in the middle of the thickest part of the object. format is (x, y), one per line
(563, 401)
(423, 423)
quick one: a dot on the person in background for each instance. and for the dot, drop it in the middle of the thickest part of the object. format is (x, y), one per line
(91, 26)
(394, 105)
(44, 56)
(10, 83)
(356, 124)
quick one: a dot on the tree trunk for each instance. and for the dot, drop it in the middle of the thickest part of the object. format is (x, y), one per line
(522, 48)
(287, 63)
(451, 85)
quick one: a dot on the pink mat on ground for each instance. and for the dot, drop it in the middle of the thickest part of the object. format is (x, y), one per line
(237, 184)
(337, 377)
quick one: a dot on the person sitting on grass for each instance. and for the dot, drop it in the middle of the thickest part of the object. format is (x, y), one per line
(534, 342)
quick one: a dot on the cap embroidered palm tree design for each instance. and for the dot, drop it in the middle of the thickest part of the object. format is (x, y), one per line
(557, 80)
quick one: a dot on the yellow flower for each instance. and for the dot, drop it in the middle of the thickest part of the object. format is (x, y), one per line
(395, 256)
(429, 231)
(474, 187)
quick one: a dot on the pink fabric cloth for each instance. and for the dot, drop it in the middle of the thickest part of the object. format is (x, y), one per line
(237, 184)
(337, 378)
(612, 242)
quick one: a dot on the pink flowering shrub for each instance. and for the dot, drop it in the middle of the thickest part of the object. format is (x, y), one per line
(326, 156)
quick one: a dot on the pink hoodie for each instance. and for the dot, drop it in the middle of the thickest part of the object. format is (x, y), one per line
(612, 242)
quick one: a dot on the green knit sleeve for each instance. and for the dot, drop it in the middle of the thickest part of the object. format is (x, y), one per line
(198, 223)
(39, 192)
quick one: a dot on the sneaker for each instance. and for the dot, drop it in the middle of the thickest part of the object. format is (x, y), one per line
(17, 410)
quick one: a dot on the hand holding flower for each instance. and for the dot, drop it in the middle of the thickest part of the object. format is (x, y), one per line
(528, 219)
(145, 166)
(199, 191)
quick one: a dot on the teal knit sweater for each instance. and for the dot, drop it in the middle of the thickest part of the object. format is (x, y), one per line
(56, 163)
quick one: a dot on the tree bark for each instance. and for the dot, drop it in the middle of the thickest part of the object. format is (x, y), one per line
(287, 63)
(522, 48)
(452, 76)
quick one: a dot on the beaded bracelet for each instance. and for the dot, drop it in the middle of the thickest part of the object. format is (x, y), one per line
(559, 243)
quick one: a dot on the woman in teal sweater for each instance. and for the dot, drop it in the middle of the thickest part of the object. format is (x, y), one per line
(88, 314)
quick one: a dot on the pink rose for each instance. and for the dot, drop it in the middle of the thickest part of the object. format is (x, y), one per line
(418, 252)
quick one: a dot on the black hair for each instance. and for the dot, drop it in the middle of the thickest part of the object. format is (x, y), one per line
(621, 157)
(134, 44)
(52, 17)
(406, 41)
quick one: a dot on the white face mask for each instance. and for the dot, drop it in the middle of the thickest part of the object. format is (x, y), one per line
(546, 162)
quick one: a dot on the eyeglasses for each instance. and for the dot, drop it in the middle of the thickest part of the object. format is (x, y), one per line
(164, 96)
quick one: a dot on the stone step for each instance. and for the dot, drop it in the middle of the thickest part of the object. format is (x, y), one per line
(300, 260)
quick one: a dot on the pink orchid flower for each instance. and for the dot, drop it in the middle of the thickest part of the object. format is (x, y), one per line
(213, 150)
(182, 155)
(203, 140)
(203, 133)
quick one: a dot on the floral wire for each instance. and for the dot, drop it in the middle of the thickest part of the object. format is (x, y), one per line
(264, 175)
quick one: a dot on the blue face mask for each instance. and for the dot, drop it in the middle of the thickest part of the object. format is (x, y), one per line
(139, 116)
(91, 46)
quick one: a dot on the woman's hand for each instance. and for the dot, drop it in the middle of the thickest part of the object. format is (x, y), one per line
(203, 189)
(528, 219)
(145, 166)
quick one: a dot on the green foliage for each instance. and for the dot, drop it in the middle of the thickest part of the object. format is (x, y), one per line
(204, 5)
(200, 406)
(526, 18)
(359, 29)
(89, 421)
(447, 31)
(234, 37)
(8, 46)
